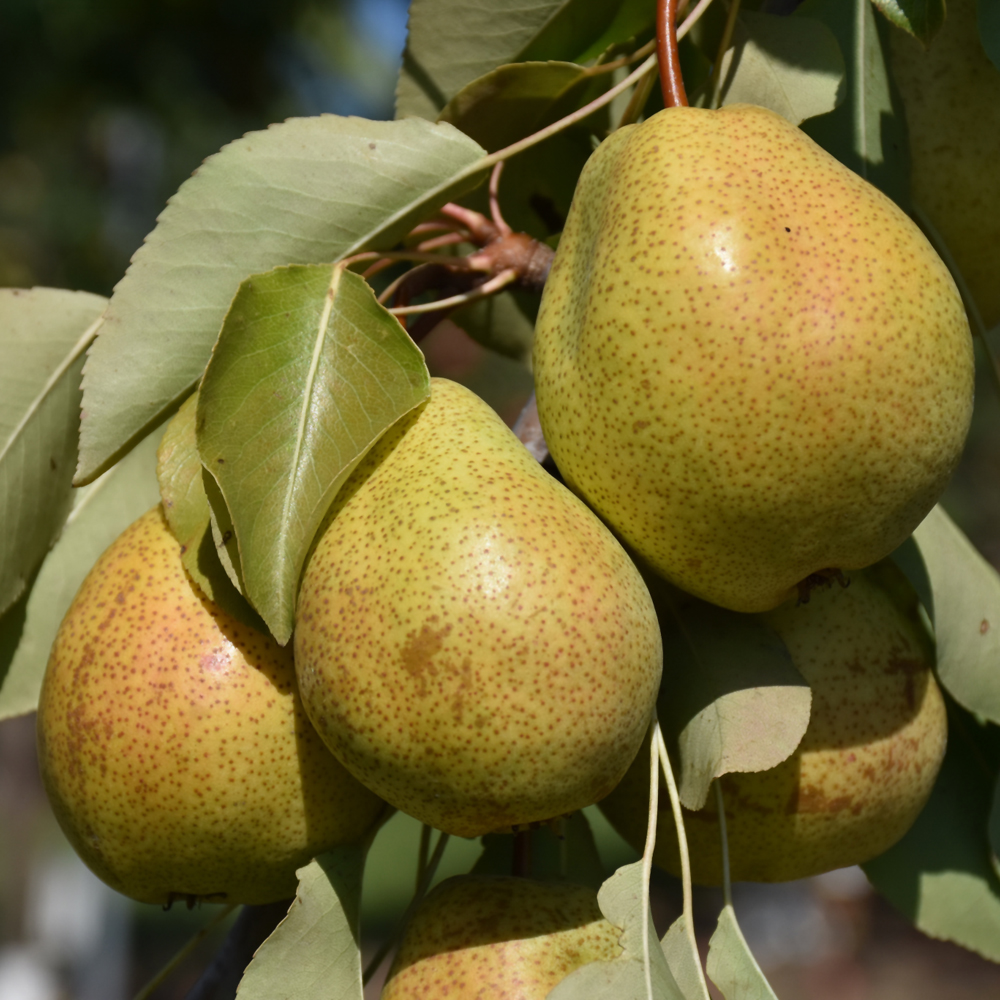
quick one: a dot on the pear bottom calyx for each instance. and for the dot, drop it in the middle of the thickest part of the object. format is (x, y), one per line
(500, 937)
(173, 744)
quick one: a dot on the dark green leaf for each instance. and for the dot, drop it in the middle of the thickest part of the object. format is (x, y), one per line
(792, 65)
(43, 335)
(101, 512)
(314, 953)
(731, 966)
(308, 372)
(920, 18)
(866, 132)
(500, 323)
(942, 875)
(621, 901)
(731, 698)
(966, 614)
(989, 29)
(311, 190)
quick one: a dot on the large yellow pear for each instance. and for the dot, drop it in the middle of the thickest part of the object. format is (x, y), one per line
(865, 767)
(471, 642)
(477, 937)
(748, 360)
(951, 95)
(173, 744)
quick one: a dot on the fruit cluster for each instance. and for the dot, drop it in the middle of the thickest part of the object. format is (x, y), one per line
(754, 368)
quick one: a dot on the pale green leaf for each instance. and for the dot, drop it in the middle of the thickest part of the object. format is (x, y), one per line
(965, 611)
(942, 875)
(621, 901)
(185, 504)
(563, 849)
(308, 373)
(101, 512)
(44, 333)
(920, 18)
(453, 42)
(731, 966)
(311, 190)
(989, 28)
(866, 132)
(735, 701)
(314, 953)
(684, 961)
(791, 65)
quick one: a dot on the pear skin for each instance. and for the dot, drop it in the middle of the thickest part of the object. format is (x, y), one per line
(866, 764)
(748, 360)
(951, 95)
(173, 744)
(471, 642)
(504, 938)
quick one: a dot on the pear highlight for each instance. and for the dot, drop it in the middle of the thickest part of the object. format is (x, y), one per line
(865, 767)
(471, 642)
(505, 938)
(748, 360)
(173, 744)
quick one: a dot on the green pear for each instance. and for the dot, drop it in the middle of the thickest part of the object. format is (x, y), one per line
(748, 360)
(505, 938)
(471, 642)
(865, 767)
(951, 95)
(173, 744)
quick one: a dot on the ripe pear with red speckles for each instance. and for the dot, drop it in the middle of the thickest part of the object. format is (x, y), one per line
(173, 743)
(748, 360)
(866, 764)
(471, 642)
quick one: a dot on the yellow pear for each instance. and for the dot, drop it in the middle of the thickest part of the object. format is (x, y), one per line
(865, 767)
(748, 360)
(478, 936)
(951, 95)
(471, 642)
(173, 744)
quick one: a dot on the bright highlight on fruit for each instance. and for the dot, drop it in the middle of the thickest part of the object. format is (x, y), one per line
(748, 360)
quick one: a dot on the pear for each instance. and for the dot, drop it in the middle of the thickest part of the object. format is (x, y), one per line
(865, 767)
(173, 743)
(504, 938)
(748, 360)
(471, 642)
(951, 95)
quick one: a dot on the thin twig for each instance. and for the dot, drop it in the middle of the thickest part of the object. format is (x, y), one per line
(715, 81)
(502, 280)
(161, 977)
(498, 220)
(647, 853)
(727, 889)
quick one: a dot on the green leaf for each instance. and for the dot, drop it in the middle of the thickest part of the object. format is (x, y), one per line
(966, 614)
(733, 700)
(634, 17)
(684, 960)
(564, 849)
(101, 512)
(311, 190)
(621, 901)
(920, 18)
(308, 372)
(185, 504)
(731, 966)
(989, 28)
(942, 875)
(453, 42)
(866, 132)
(314, 953)
(514, 101)
(791, 65)
(43, 335)
(994, 826)
(500, 323)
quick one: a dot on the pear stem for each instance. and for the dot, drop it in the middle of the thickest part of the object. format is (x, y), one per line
(422, 886)
(424, 852)
(671, 81)
(727, 889)
(520, 866)
(161, 977)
